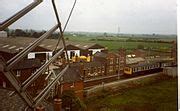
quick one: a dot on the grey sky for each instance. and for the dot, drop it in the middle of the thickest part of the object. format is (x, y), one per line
(132, 16)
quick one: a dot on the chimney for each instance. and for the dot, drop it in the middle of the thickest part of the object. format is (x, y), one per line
(57, 104)
(40, 108)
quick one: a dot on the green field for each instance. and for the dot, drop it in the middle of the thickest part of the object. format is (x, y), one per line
(160, 96)
(114, 43)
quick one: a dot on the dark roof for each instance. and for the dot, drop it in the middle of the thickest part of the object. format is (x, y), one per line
(141, 64)
(16, 103)
(100, 54)
(72, 74)
(13, 44)
(11, 103)
(27, 64)
(92, 64)
(87, 64)
(94, 46)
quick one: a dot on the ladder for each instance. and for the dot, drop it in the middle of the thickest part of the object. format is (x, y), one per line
(6, 67)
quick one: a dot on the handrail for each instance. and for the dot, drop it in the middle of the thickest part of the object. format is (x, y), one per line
(60, 29)
(43, 93)
(6, 67)
(16, 85)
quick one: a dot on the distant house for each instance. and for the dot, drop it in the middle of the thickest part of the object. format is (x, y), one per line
(3, 34)
(110, 60)
(91, 69)
(90, 48)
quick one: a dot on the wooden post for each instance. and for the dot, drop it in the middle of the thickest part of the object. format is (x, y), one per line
(57, 104)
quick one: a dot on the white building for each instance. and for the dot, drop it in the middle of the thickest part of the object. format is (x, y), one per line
(3, 34)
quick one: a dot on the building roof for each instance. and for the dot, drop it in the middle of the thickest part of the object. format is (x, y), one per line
(159, 59)
(134, 60)
(28, 63)
(142, 64)
(100, 54)
(16, 103)
(92, 64)
(13, 44)
(88, 64)
(72, 74)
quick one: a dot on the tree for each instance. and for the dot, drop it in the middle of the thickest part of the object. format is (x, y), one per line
(71, 101)
(19, 32)
(7, 30)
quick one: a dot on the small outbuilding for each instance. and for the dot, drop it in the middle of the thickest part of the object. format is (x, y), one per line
(3, 34)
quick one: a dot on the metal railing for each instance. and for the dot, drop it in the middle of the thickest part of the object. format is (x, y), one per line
(6, 67)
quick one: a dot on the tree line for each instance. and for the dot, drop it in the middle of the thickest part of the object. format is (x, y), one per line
(28, 33)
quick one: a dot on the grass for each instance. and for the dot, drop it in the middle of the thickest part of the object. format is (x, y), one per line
(160, 96)
(115, 45)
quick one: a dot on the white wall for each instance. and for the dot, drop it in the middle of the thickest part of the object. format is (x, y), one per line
(95, 50)
(32, 55)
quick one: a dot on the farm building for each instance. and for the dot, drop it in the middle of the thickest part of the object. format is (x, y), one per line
(110, 60)
(49, 45)
(91, 69)
(12, 46)
(3, 34)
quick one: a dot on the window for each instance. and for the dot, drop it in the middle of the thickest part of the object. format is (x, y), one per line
(111, 69)
(136, 69)
(111, 60)
(88, 72)
(99, 69)
(103, 69)
(117, 60)
(4, 84)
(152, 67)
(95, 70)
(127, 69)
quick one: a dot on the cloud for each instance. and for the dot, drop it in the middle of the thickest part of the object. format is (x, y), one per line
(132, 16)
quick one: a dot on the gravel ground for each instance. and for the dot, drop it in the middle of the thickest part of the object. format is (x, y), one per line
(13, 103)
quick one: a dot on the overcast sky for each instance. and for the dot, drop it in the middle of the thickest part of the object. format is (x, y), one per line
(132, 16)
